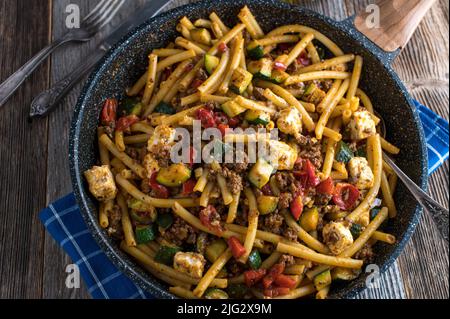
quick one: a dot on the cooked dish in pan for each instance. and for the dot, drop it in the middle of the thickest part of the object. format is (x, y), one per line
(280, 189)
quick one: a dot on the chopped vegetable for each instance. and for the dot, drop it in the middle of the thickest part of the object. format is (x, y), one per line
(206, 116)
(174, 175)
(276, 291)
(356, 230)
(251, 277)
(278, 76)
(201, 35)
(297, 207)
(215, 293)
(144, 218)
(233, 109)
(267, 204)
(237, 291)
(165, 220)
(165, 108)
(309, 219)
(236, 247)
(325, 187)
(260, 173)
(322, 280)
(215, 249)
(345, 195)
(165, 254)
(211, 63)
(257, 117)
(313, 94)
(343, 154)
(240, 80)
(261, 69)
(211, 219)
(254, 259)
(125, 122)
(374, 212)
(276, 270)
(346, 274)
(255, 51)
(145, 234)
(284, 281)
(109, 112)
(130, 105)
(361, 151)
(160, 190)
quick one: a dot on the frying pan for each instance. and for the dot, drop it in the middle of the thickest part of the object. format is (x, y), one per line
(126, 61)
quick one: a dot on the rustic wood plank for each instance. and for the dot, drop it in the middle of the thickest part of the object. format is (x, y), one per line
(22, 152)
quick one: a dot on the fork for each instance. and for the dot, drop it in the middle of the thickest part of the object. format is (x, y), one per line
(101, 15)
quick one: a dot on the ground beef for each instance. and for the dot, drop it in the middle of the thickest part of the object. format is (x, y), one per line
(234, 180)
(161, 153)
(365, 253)
(180, 232)
(240, 164)
(273, 222)
(241, 218)
(284, 180)
(234, 267)
(310, 149)
(115, 225)
(287, 260)
(290, 234)
(258, 94)
(213, 215)
(201, 75)
(145, 186)
(322, 199)
(132, 152)
(284, 200)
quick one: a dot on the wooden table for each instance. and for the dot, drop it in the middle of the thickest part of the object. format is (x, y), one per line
(34, 160)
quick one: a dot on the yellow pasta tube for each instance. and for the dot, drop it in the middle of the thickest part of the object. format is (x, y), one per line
(326, 64)
(226, 194)
(253, 105)
(275, 99)
(388, 147)
(216, 75)
(232, 209)
(299, 47)
(182, 292)
(126, 222)
(252, 224)
(237, 50)
(186, 80)
(151, 78)
(204, 198)
(136, 139)
(226, 38)
(387, 238)
(118, 140)
(103, 216)
(356, 75)
(316, 75)
(215, 18)
(164, 52)
(387, 196)
(102, 150)
(189, 45)
(247, 18)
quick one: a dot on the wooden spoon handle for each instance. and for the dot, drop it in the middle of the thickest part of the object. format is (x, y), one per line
(398, 19)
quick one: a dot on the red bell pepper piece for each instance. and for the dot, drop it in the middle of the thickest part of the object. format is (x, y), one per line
(188, 187)
(345, 195)
(251, 277)
(222, 47)
(236, 247)
(285, 281)
(308, 167)
(192, 156)
(220, 118)
(222, 128)
(276, 270)
(297, 207)
(234, 121)
(160, 190)
(211, 219)
(325, 187)
(126, 121)
(109, 112)
(276, 291)
(206, 117)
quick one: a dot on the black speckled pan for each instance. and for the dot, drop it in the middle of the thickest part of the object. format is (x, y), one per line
(125, 62)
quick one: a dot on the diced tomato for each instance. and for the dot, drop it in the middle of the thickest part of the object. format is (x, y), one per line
(285, 281)
(326, 186)
(109, 111)
(222, 47)
(188, 187)
(222, 128)
(345, 195)
(220, 118)
(126, 121)
(308, 167)
(251, 277)
(276, 291)
(196, 83)
(160, 190)
(297, 207)
(279, 66)
(211, 219)
(267, 190)
(303, 59)
(236, 247)
(206, 117)
(234, 121)
(276, 270)
(192, 156)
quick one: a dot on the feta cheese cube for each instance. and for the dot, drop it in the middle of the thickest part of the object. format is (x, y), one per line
(101, 182)
(361, 125)
(337, 237)
(361, 174)
(189, 263)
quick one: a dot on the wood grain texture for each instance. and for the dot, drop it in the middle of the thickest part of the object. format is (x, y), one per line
(39, 267)
(23, 152)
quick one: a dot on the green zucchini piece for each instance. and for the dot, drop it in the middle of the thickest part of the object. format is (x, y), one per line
(165, 254)
(255, 51)
(211, 63)
(174, 175)
(165, 220)
(261, 69)
(232, 109)
(240, 80)
(201, 35)
(322, 280)
(215, 293)
(165, 108)
(257, 117)
(215, 249)
(145, 234)
(143, 218)
(139, 206)
(260, 173)
(344, 154)
(267, 204)
(361, 152)
(254, 259)
(237, 291)
(374, 212)
(313, 94)
(278, 76)
(356, 230)
(130, 105)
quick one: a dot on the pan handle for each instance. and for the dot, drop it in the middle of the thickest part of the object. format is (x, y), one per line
(391, 23)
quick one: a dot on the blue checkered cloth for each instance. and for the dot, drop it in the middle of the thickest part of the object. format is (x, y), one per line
(104, 281)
